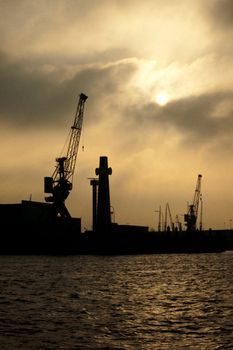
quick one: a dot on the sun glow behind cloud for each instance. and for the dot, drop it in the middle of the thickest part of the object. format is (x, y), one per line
(162, 98)
(159, 101)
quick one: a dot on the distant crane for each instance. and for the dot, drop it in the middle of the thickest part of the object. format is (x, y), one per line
(61, 182)
(191, 217)
(168, 212)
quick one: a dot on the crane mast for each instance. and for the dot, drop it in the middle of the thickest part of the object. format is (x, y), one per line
(191, 217)
(61, 182)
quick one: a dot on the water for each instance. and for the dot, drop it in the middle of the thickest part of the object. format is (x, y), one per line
(117, 302)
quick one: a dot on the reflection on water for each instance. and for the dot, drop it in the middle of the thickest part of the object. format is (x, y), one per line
(119, 302)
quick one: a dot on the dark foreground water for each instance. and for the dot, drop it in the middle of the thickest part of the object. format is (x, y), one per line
(117, 302)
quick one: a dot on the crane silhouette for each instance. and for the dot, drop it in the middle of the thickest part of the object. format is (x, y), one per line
(60, 183)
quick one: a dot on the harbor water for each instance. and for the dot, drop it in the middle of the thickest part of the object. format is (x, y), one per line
(148, 302)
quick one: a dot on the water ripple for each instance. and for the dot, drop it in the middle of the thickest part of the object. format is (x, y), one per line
(144, 302)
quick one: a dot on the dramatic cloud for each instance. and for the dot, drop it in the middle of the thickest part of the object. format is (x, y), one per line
(158, 75)
(198, 118)
(31, 96)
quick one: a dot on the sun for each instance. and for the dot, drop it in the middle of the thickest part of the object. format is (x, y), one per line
(162, 98)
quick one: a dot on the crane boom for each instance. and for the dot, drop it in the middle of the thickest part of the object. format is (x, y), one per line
(61, 182)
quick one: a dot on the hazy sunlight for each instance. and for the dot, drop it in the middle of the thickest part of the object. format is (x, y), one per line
(162, 99)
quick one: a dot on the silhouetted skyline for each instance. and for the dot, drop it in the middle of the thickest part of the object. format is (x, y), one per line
(158, 75)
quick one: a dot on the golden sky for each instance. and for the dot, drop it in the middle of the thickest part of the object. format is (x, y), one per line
(158, 76)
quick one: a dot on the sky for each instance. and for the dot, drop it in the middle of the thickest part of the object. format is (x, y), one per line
(158, 75)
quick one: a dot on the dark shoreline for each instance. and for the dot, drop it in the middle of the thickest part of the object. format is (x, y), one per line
(66, 239)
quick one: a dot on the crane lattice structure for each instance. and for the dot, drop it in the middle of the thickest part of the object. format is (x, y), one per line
(61, 182)
(191, 217)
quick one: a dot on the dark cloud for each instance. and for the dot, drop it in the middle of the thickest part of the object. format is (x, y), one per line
(26, 97)
(220, 12)
(199, 119)
(31, 97)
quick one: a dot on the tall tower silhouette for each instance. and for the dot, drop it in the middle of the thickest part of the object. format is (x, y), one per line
(103, 220)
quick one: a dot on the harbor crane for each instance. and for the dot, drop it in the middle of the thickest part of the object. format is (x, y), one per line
(168, 212)
(191, 217)
(60, 183)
